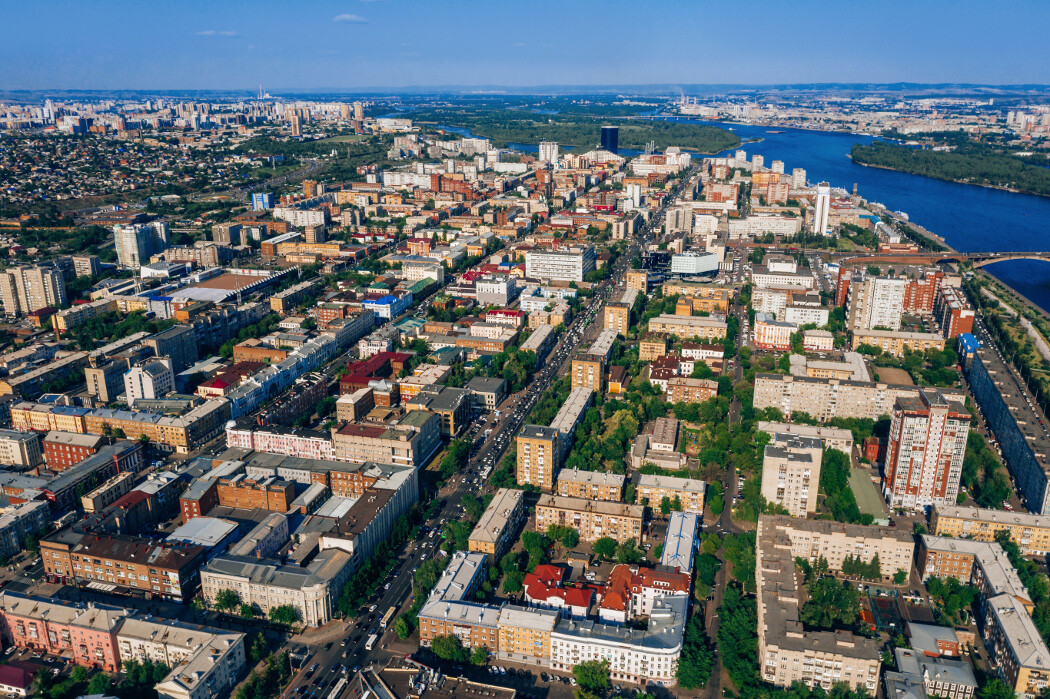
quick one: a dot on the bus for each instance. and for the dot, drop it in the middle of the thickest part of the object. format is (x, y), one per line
(387, 617)
(371, 642)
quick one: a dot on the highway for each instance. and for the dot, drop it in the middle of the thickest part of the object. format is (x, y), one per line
(336, 660)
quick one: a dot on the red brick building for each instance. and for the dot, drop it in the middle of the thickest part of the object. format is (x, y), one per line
(198, 499)
(64, 450)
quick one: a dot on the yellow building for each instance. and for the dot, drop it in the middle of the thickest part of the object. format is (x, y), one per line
(587, 371)
(651, 347)
(592, 485)
(495, 530)
(525, 634)
(892, 342)
(538, 456)
(1030, 532)
(638, 279)
(617, 316)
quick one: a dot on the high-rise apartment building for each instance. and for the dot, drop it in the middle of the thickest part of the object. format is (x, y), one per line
(548, 152)
(150, 380)
(876, 302)
(262, 201)
(359, 111)
(798, 178)
(587, 372)
(611, 139)
(822, 209)
(27, 289)
(538, 455)
(296, 123)
(617, 317)
(136, 243)
(927, 443)
(791, 472)
(568, 266)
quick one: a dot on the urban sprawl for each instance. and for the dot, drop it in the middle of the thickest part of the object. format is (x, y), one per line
(372, 408)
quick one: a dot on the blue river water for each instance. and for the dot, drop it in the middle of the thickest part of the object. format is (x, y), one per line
(969, 218)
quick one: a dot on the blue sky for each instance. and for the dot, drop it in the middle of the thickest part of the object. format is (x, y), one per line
(230, 44)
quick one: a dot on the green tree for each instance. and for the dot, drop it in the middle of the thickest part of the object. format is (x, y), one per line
(401, 628)
(665, 506)
(227, 600)
(449, 648)
(605, 548)
(900, 577)
(100, 683)
(592, 675)
(628, 552)
(284, 614)
(247, 611)
(697, 659)
(479, 656)
(996, 689)
(831, 602)
(570, 538)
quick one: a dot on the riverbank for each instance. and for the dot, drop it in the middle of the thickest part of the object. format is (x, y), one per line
(991, 170)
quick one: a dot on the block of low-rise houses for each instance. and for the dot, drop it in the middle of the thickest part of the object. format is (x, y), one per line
(86, 633)
(1030, 532)
(787, 652)
(937, 677)
(685, 389)
(246, 493)
(688, 327)
(1014, 641)
(592, 519)
(592, 485)
(688, 491)
(206, 661)
(824, 399)
(496, 529)
(20, 448)
(123, 564)
(830, 437)
(981, 564)
(791, 473)
(411, 442)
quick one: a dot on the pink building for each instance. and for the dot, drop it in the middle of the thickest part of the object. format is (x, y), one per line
(85, 634)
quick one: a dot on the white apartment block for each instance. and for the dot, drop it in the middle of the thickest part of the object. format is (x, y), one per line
(791, 473)
(568, 266)
(147, 381)
(208, 661)
(876, 302)
(806, 315)
(276, 440)
(636, 656)
(301, 217)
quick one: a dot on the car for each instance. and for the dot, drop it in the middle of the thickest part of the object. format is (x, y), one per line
(372, 608)
(328, 646)
(502, 670)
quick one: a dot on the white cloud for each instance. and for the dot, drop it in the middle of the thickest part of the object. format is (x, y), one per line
(346, 17)
(213, 32)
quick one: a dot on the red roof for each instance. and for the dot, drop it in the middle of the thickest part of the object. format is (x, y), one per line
(544, 585)
(16, 677)
(216, 383)
(131, 499)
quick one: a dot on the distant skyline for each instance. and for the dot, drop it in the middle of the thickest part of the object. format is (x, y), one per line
(356, 44)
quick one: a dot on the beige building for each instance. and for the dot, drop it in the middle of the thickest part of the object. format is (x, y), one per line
(689, 491)
(892, 342)
(1030, 532)
(688, 327)
(495, 531)
(208, 661)
(652, 347)
(617, 316)
(20, 448)
(1020, 654)
(409, 443)
(824, 399)
(683, 389)
(538, 456)
(791, 473)
(593, 519)
(26, 289)
(525, 634)
(587, 372)
(830, 437)
(592, 485)
(638, 279)
(789, 653)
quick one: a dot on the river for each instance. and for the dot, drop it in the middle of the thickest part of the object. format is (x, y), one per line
(969, 218)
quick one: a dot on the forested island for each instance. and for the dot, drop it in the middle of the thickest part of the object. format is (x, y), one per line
(966, 165)
(503, 126)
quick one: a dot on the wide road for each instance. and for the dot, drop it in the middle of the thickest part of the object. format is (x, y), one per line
(397, 588)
